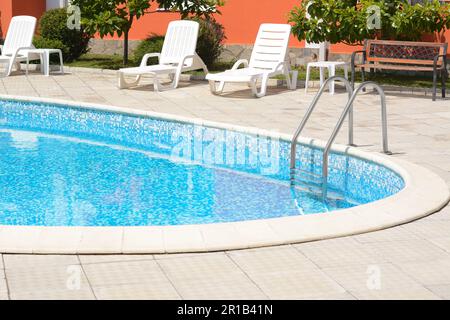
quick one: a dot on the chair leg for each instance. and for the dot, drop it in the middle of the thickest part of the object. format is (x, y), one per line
(263, 90)
(213, 87)
(9, 69)
(61, 68)
(308, 69)
(123, 84)
(293, 79)
(47, 63)
(443, 78)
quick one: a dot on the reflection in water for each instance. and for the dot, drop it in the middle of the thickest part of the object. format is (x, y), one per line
(24, 140)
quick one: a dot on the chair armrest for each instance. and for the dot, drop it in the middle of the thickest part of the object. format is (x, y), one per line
(282, 64)
(148, 56)
(238, 63)
(181, 65)
(355, 53)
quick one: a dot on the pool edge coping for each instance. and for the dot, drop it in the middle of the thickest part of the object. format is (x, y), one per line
(424, 193)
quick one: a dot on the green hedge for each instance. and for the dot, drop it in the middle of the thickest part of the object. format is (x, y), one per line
(54, 33)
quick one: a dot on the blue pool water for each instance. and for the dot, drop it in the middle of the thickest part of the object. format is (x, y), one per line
(64, 166)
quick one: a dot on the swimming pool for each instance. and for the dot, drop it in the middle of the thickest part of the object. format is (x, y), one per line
(69, 166)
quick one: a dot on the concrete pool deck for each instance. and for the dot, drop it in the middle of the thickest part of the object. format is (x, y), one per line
(409, 261)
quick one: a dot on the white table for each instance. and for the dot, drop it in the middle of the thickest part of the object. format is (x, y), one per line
(45, 59)
(330, 66)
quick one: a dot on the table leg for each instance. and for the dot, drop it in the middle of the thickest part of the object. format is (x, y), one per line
(47, 63)
(321, 76)
(61, 69)
(308, 69)
(331, 73)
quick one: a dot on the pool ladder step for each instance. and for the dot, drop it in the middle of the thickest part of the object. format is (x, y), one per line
(348, 111)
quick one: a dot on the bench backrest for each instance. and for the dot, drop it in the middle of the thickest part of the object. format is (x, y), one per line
(407, 52)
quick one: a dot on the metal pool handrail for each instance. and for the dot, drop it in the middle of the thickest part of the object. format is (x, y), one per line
(310, 111)
(348, 110)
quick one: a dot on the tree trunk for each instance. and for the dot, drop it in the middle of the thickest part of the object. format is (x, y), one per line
(125, 40)
(125, 48)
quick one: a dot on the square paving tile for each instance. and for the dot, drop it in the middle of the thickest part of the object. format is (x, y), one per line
(272, 259)
(339, 252)
(45, 279)
(413, 250)
(303, 284)
(359, 278)
(124, 272)
(159, 290)
(391, 234)
(442, 291)
(428, 273)
(210, 276)
(410, 293)
(92, 259)
(27, 261)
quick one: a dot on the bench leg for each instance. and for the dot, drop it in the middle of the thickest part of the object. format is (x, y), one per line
(443, 78)
(363, 77)
(434, 84)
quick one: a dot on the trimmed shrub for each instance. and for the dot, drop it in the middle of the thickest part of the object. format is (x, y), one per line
(210, 40)
(54, 33)
(44, 43)
(152, 44)
(209, 43)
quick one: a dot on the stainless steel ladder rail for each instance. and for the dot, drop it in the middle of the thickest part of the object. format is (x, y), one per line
(348, 110)
(310, 110)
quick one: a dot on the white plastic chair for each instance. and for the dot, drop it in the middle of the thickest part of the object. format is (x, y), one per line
(177, 56)
(18, 38)
(268, 59)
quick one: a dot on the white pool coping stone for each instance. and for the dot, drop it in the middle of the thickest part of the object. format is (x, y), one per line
(424, 193)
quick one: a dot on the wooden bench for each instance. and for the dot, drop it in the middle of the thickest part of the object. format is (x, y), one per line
(404, 56)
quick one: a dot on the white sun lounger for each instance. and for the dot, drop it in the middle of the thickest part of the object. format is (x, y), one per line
(177, 56)
(268, 59)
(18, 39)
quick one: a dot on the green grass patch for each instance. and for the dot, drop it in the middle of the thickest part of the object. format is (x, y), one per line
(100, 61)
(114, 62)
(385, 78)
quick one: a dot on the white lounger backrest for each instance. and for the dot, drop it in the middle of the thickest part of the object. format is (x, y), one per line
(271, 46)
(20, 34)
(180, 41)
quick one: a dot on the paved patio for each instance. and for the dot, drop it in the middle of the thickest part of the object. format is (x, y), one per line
(411, 261)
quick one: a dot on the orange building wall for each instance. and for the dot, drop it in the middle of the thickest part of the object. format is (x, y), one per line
(11, 8)
(5, 16)
(240, 18)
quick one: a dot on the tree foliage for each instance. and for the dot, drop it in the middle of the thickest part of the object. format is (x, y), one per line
(110, 17)
(348, 21)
